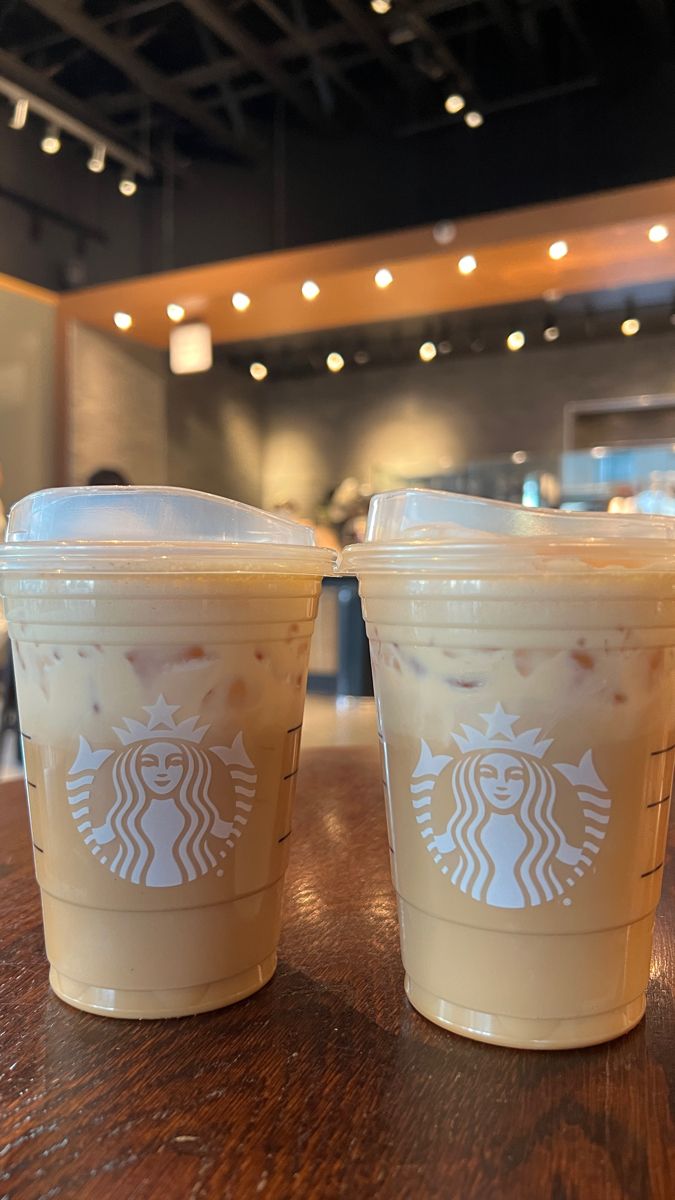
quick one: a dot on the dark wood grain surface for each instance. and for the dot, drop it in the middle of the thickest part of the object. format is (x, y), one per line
(326, 1083)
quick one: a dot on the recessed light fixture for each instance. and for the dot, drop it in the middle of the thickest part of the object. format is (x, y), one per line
(445, 347)
(630, 326)
(427, 352)
(467, 264)
(599, 452)
(558, 250)
(310, 289)
(361, 358)
(551, 333)
(258, 371)
(516, 339)
(519, 457)
(473, 118)
(383, 277)
(335, 362)
(658, 233)
(175, 312)
(454, 103)
(123, 320)
(241, 301)
(381, 7)
(51, 142)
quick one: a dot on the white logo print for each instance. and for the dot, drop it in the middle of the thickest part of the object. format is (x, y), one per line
(505, 841)
(163, 827)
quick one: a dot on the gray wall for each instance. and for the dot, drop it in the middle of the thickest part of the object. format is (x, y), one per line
(214, 428)
(117, 407)
(381, 425)
(27, 329)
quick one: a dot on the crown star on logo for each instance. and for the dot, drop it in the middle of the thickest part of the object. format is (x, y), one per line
(161, 723)
(499, 735)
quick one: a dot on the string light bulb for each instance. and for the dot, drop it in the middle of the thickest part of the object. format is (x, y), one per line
(383, 278)
(241, 301)
(96, 160)
(658, 233)
(630, 326)
(335, 362)
(127, 185)
(51, 142)
(175, 312)
(123, 320)
(454, 103)
(515, 340)
(427, 352)
(258, 371)
(19, 114)
(558, 250)
(467, 264)
(310, 289)
(473, 118)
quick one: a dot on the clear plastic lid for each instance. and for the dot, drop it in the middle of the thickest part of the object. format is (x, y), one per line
(153, 528)
(419, 528)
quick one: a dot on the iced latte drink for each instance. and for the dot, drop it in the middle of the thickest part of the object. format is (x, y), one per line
(161, 641)
(524, 673)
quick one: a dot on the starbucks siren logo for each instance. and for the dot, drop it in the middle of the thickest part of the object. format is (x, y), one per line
(503, 839)
(162, 827)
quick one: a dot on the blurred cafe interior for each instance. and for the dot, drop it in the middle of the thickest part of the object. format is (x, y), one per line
(298, 253)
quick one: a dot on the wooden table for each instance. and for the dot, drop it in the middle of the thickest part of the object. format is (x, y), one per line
(326, 1083)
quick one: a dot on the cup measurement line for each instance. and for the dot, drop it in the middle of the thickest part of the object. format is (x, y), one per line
(666, 750)
(283, 839)
(655, 803)
(31, 784)
(295, 728)
(292, 773)
(652, 872)
(27, 736)
(38, 848)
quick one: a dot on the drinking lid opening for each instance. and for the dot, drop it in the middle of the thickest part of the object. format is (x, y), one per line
(152, 527)
(416, 526)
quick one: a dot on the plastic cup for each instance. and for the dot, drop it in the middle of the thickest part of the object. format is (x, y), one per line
(523, 671)
(161, 640)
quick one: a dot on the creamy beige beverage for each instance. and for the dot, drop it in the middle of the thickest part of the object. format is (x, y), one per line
(525, 701)
(161, 711)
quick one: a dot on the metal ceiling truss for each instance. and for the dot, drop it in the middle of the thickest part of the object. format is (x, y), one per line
(314, 70)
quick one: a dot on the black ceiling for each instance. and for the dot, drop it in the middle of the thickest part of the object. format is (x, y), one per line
(215, 74)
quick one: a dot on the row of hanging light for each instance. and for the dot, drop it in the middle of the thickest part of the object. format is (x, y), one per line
(51, 143)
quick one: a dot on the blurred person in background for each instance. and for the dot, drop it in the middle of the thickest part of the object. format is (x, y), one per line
(107, 477)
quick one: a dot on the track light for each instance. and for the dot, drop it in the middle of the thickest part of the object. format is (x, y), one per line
(51, 141)
(20, 113)
(96, 160)
(127, 184)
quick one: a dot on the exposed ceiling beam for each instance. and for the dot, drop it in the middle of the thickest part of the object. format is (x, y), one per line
(27, 79)
(151, 82)
(444, 55)
(535, 96)
(50, 40)
(507, 23)
(253, 53)
(360, 21)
